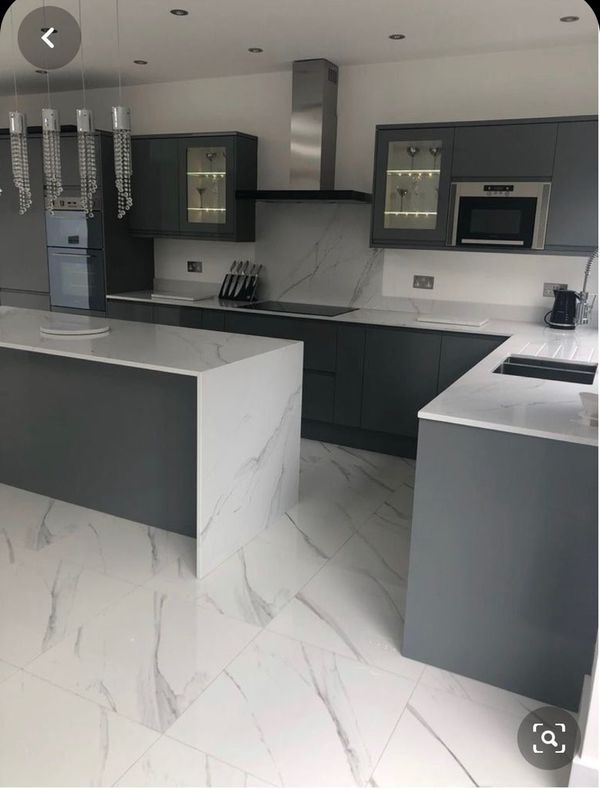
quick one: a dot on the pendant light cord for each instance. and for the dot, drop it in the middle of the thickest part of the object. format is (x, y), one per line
(14, 58)
(47, 69)
(119, 53)
(81, 52)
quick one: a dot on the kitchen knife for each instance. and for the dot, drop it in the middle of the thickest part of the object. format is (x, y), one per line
(227, 281)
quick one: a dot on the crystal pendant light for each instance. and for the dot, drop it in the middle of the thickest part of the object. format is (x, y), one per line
(86, 143)
(86, 148)
(20, 158)
(121, 124)
(51, 155)
(19, 154)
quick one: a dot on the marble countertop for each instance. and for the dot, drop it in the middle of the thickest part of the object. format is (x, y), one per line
(168, 349)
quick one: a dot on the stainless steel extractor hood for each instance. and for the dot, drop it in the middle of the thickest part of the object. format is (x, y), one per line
(313, 139)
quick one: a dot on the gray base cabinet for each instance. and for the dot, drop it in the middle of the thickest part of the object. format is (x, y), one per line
(363, 385)
(503, 576)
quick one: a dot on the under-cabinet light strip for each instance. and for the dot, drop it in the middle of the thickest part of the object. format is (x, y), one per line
(206, 209)
(410, 213)
(411, 172)
(207, 173)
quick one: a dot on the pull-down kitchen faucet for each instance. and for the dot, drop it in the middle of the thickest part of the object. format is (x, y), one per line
(585, 304)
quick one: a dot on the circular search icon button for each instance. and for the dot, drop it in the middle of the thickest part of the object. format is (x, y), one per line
(49, 37)
(549, 738)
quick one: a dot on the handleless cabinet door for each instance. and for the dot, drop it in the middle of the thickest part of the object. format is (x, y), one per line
(460, 352)
(23, 259)
(573, 217)
(130, 311)
(508, 150)
(400, 377)
(155, 185)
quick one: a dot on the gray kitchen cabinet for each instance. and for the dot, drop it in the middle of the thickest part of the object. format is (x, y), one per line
(24, 299)
(460, 352)
(319, 338)
(213, 320)
(504, 150)
(168, 315)
(130, 311)
(400, 377)
(185, 186)
(318, 392)
(349, 375)
(155, 185)
(23, 260)
(573, 216)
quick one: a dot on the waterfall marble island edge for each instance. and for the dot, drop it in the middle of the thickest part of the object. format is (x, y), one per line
(194, 431)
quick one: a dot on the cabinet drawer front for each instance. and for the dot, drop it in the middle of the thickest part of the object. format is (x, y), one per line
(319, 339)
(318, 392)
(130, 311)
(401, 375)
(509, 150)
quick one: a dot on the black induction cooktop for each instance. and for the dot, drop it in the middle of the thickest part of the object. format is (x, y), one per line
(299, 309)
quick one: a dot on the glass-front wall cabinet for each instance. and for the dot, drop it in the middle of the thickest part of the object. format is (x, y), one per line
(206, 179)
(412, 184)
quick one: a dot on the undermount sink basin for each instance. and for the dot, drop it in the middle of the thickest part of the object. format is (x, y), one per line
(548, 369)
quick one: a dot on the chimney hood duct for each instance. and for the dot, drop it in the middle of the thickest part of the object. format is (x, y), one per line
(313, 139)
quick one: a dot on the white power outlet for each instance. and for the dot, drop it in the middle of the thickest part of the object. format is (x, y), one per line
(550, 287)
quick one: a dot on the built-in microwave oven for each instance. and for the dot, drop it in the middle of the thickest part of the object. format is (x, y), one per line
(499, 214)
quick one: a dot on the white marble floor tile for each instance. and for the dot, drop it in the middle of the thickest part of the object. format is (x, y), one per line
(43, 599)
(253, 584)
(50, 737)
(416, 757)
(378, 550)
(147, 657)
(6, 670)
(118, 547)
(398, 508)
(25, 523)
(387, 470)
(171, 763)
(481, 741)
(479, 692)
(296, 715)
(353, 615)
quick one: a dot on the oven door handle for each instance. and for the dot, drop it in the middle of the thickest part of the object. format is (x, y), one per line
(73, 255)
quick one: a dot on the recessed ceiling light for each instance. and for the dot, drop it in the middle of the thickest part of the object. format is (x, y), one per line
(141, 62)
(179, 12)
(569, 18)
(40, 71)
(255, 50)
(397, 36)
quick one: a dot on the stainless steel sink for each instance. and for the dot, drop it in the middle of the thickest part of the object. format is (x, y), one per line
(548, 369)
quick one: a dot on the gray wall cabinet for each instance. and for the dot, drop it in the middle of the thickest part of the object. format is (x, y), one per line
(185, 185)
(515, 150)
(573, 217)
(363, 385)
(23, 261)
(563, 151)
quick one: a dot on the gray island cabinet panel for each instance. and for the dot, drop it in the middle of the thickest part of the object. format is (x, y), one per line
(400, 376)
(130, 311)
(460, 352)
(503, 576)
(155, 185)
(573, 217)
(509, 150)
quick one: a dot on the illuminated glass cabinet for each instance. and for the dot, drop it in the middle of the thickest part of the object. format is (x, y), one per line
(411, 185)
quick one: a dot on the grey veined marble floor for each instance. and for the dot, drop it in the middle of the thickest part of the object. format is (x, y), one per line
(281, 667)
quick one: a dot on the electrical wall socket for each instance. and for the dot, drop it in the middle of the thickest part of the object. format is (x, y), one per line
(550, 287)
(195, 266)
(423, 281)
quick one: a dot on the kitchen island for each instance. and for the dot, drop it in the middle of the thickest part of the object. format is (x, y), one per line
(503, 575)
(187, 430)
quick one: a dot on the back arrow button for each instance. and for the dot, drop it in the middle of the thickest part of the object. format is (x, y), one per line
(46, 37)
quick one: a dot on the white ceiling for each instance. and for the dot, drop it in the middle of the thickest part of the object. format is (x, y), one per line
(213, 40)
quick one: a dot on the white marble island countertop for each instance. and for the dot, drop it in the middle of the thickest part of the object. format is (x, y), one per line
(515, 404)
(169, 349)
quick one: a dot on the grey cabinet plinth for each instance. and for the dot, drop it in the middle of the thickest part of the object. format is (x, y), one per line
(503, 576)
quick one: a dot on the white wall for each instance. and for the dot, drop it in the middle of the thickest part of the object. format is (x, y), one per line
(541, 82)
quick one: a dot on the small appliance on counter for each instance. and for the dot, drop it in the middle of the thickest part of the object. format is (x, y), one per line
(241, 282)
(563, 314)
